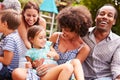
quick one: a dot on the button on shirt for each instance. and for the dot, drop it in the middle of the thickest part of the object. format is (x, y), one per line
(104, 57)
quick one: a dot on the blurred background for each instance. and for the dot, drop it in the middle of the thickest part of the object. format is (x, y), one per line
(93, 6)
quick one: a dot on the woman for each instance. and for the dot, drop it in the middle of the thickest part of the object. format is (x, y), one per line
(74, 23)
(30, 16)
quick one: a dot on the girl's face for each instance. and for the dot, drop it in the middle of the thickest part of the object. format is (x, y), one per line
(67, 34)
(31, 16)
(39, 40)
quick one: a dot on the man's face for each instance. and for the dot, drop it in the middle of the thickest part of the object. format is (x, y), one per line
(105, 18)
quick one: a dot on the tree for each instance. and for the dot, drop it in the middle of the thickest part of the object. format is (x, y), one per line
(1, 0)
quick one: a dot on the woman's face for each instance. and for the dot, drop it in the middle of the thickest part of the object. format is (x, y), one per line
(67, 34)
(31, 16)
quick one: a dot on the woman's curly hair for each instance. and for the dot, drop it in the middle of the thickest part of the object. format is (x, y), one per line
(77, 18)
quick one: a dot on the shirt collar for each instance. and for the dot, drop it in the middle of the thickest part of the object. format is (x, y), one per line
(91, 35)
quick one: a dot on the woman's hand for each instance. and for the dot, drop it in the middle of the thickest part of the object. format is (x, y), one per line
(42, 69)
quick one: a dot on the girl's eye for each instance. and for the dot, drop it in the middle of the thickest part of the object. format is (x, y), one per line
(34, 16)
(42, 37)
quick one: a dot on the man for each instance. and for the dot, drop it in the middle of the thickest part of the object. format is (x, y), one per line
(103, 62)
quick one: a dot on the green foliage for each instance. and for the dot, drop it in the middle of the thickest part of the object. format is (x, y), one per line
(94, 5)
(1, 0)
(23, 2)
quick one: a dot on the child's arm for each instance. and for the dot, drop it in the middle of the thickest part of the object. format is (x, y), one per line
(35, 63)
(53, 54)
(7, 59)
(29, 62)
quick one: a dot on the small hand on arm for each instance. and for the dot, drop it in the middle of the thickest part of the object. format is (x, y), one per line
(53, 54)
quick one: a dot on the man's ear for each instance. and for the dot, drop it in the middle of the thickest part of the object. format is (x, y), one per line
(114, 22)
(95, 19)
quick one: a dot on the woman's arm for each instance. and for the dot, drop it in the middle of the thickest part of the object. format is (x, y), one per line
(23, 34)
(83, 53)
(42, 22)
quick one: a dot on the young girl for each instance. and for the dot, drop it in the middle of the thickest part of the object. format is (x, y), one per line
(43, 49)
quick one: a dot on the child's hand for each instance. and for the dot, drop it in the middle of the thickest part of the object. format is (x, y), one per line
(28, 65)
(37, 63)
(51, 54)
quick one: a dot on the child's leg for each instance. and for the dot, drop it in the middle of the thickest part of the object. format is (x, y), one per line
(19, 74)
(60, 72)
(78, 71)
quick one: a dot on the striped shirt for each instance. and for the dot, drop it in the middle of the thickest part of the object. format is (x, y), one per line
(104, 57)
(12, 42)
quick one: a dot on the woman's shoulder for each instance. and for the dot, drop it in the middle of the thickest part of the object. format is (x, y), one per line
(42, 22)
(54, 36)
(42, 19)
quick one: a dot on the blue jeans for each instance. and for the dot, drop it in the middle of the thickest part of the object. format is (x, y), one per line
(5, 73)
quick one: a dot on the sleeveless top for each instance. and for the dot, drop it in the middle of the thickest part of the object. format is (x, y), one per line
(64, 57)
